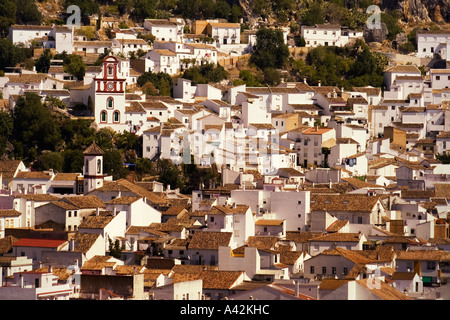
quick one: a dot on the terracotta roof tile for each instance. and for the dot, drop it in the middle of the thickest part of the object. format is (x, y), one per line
(210, 240)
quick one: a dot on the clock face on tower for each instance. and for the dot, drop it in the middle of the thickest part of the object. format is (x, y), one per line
(110, 86)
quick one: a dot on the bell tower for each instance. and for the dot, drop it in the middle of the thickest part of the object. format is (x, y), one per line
(110, 96)
(93, 168)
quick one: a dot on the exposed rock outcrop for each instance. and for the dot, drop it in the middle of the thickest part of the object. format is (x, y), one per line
(375, 34)
(420, 10)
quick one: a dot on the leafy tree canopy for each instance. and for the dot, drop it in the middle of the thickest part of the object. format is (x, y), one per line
(205, 73)
(271, 51)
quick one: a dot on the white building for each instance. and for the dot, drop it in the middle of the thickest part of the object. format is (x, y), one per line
(224, 33)
(37, 285)
(440, 78)
(60, 38)
(327, 35)
(430, 43)
(109, 96)
(162, 60)
(128, 46)
(137, 211)
(164, 30)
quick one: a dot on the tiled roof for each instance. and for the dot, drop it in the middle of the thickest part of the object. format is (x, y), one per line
(9, 213)
(262, 242)
(338, 237)
(336, 226)
(27, 78)
(95, 222)
(85, 202)
(210, 240)
(135, 107)
(382, 290)
(63, 274)
(124, 200)
(290, 257)
(343, 202)
(33, 175)
(93, 149)
(6, 244)
(125, 185)
(332, 284)
(66, 176)
(39, 243)
(222, 210)
(301, 236)
(213, 279)
(403, 275)
(404, 68)
(84, 241)
(369, 90)
(420, 255)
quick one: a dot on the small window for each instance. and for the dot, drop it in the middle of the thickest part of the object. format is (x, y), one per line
(110, 103)
(116, 116)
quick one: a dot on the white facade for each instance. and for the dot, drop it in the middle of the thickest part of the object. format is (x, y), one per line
(162, 60)
(326, 35)
(109, 97)
(430, 43)
(164, 30)
(224, 33)
(440, 78)
(62, 37)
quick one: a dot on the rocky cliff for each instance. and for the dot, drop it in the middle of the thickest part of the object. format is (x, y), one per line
(419, 10)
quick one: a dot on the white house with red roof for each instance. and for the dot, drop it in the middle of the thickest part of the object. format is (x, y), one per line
(34, 248)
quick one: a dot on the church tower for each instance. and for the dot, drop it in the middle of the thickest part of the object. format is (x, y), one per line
(93, 168)
(109, 98)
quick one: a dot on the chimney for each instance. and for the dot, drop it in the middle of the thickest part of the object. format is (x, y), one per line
(97, 211)
(304, 80)
(114, 211)
(320, 83)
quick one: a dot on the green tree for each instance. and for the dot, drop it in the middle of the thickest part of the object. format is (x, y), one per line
(49, 160)
(248, 78)
(43, 62)
(144, 166)
(169, 174)
(144, 9)
(205, 73)
(391, 24)
(272, 76)
(28, 12)
(75, 66)
(444, 158)
(35, 127)
(73, 160)
(114, 248)
(8, 12)
(6, 130)
(113, 164)
(270, 51)
(313, 15)
(87, 7)
(161, 81)
(11, 55)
